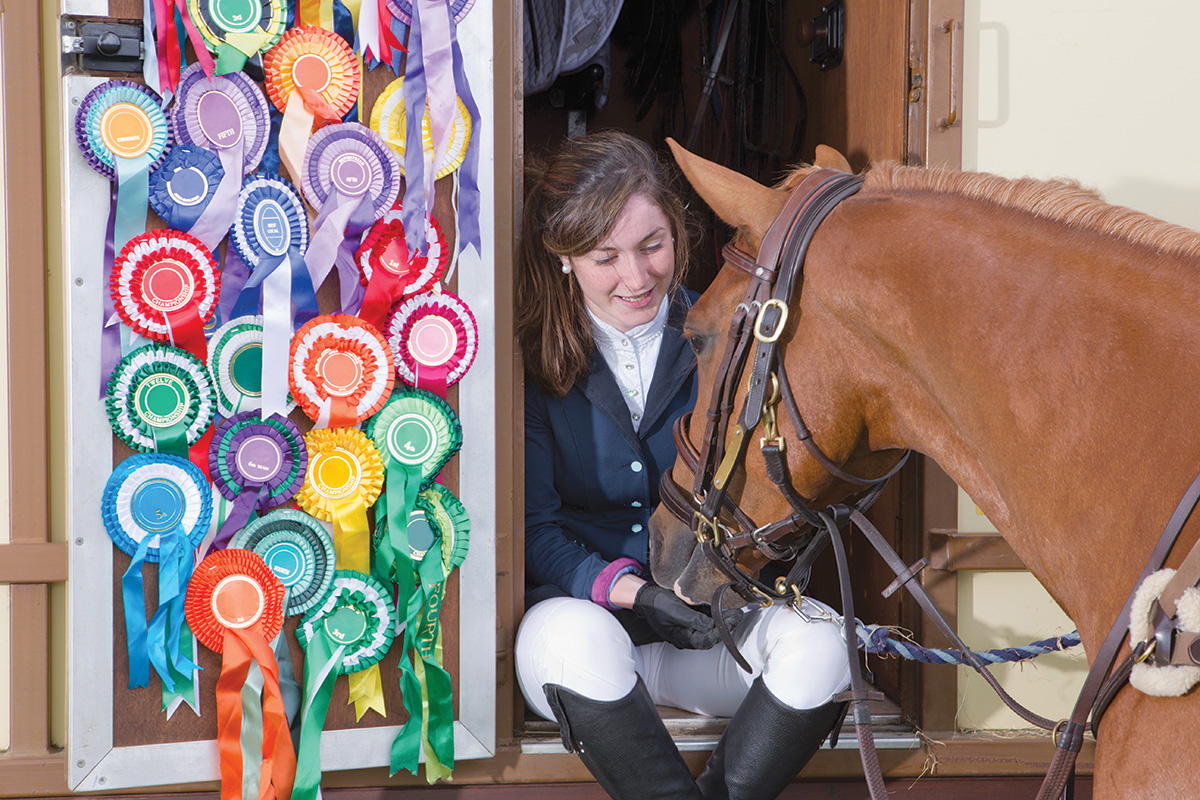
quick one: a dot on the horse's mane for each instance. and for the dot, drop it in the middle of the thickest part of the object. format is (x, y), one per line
(1061, 200)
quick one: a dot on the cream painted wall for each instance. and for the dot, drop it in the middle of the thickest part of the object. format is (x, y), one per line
(5, 592)
(1103, 92)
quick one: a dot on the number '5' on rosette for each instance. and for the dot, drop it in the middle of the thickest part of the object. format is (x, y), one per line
(235, 30)
(434, 339)
(349, 632)
(351, 176)
(341, 370)
(229, 117)
(313, 77)
(258, 463)
(235, 606)
(156, 509)
(270, 238)
(165, 286)
(390, 271)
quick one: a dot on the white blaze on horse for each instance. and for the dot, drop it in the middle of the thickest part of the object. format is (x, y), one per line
(1041, 346)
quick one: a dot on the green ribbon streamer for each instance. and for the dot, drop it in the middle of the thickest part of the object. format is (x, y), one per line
(321, 660)
(185, 682)
(252, 731)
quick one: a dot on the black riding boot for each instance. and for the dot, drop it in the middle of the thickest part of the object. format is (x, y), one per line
(764, 747)
(624, 744)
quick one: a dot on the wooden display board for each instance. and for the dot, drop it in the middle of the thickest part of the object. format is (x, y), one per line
(120, 738)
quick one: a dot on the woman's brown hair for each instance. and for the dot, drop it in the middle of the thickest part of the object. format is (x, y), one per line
(572, 202)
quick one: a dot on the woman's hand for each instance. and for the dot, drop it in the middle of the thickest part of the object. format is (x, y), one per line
(625, 590)
(676, 621)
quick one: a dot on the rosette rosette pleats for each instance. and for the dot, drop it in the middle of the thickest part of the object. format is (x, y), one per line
(351, 176)
(390, 120)
(389, 270)
(228, 116)
(237, 30)
(235, 606)
(313, 77)
(298, 549)
(257, 463)
(156, 509)
(341, 370)
(434, 339)
(347, 634)
(182, 188)
(235, 363)
(270, 238)
(165, 286)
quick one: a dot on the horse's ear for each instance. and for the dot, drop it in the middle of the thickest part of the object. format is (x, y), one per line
(739, 201)
(828, 158)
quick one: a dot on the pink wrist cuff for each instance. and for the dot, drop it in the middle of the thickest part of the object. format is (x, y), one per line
(607, 579)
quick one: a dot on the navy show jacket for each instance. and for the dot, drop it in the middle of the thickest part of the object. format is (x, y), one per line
(591, 481)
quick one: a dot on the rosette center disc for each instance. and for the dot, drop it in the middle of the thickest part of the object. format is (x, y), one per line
(421, 535)
(272, 227)
(238, 601)
(432, 341)
(259, 458)
(341, 372)
(188, 187)
(162, 400)
(288, 561)
(157, 505)
(351, 174)
(394, 258)
(310, 71)
(245, 369)
(412, 439)
(126, 130)
(346, 625)
(167, 285)
(335, 474)
(235, 16)
(219, 118)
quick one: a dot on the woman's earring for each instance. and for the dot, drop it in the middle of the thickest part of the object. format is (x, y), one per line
(566, 268)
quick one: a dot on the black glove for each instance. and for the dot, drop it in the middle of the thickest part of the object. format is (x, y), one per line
(676, 621)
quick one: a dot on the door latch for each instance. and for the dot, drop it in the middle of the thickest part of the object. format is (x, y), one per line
(100, 45)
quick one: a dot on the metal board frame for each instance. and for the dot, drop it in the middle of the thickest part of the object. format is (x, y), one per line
(93, 763)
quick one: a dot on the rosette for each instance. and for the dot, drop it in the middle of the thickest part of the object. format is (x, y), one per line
(270, 234)
(230, 117)
(156, 509)
(236, 30)
(298, 549)
(348, 633)
(235, 607)
(439, 522)
(184, 185)
(402, 9)
(352, 177)
(341, 370)
(165, 286)
(235, 364)
(390, 271)
(389, 120)
(313, 77)
(417, 431)
(160, 398)
(434, 339)
(258, 464)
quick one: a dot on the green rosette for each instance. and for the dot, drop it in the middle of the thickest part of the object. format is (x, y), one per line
(160, 399)
(299, 550)
(418, 430)
(438, 518)
(235, 364)
(235, 30)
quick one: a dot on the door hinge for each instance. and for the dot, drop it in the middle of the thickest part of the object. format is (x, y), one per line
(100, 45)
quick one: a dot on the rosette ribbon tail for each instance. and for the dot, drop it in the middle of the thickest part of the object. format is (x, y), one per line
(384, 288)
(351, 288)
(433, 378)
(185, 680)
(233, 301)
(468, 214)
(216, 220)
(321, 659)
(352, 543)
(330, 226)
(237, 48)
(175, 563)
(136, 631)
(133, 197)
(202, 54)
(277, 333)
(250, 499)
(187, 329)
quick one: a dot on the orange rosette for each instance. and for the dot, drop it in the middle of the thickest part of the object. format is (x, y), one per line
(341, 370)
(313, 77)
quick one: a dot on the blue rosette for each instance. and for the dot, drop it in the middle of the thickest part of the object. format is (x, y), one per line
(157, 509)
(182, 188)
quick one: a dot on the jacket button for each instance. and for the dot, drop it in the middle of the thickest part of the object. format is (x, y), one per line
(636, 466)
(637, 527)
(636, 504)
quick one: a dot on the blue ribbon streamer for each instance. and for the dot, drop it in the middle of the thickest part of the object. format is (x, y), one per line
(174, 570)
(133, 593)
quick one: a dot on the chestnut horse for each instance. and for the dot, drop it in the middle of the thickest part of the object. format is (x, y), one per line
(1041, 346)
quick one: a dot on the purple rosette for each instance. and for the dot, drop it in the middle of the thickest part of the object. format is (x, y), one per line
(198, 115)
(182, 188)
(351, 176)
(92, 134)
(258, 463)
(402, 9)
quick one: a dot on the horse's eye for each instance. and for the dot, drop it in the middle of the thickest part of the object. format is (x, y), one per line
(697, 343)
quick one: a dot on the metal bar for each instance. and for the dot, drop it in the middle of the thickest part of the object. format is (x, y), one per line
(33, 562)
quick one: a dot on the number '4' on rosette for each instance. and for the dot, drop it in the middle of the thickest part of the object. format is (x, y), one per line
(270, 238)
(313, 77)
(230, 117)
(351, 176)
(165, 286)
(389, 270)
(351, 631)
(156, 509)
(236, 30)
(258, 463)
(341, 370)
(235, 606)
(434, 339)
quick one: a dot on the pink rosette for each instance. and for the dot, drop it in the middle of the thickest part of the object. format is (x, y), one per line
(433, 338)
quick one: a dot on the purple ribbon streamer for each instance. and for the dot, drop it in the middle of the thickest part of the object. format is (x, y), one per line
(246, 503)
(434, 23)
(110, 335)
(469, 198)
(413, 209)
(217, 218)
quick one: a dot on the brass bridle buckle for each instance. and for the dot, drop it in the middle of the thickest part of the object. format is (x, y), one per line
(706, 529)
(769, 423)
(772, 337)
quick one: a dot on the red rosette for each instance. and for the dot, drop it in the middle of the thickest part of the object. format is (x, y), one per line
(384, 247)
(233, 590)
(341, 370)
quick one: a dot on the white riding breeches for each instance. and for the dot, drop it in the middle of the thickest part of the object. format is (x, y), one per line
(577, 644)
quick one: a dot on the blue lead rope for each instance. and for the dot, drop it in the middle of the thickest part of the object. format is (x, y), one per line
(874, 639)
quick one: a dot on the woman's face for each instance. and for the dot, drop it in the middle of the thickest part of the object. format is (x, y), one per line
(626, 277)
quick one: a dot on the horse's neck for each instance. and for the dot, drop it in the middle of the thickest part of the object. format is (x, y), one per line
(1051, 374)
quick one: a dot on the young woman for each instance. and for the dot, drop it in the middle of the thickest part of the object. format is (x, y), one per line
(599, 317)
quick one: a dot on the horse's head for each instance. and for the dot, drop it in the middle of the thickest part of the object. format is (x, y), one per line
(816, 359)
